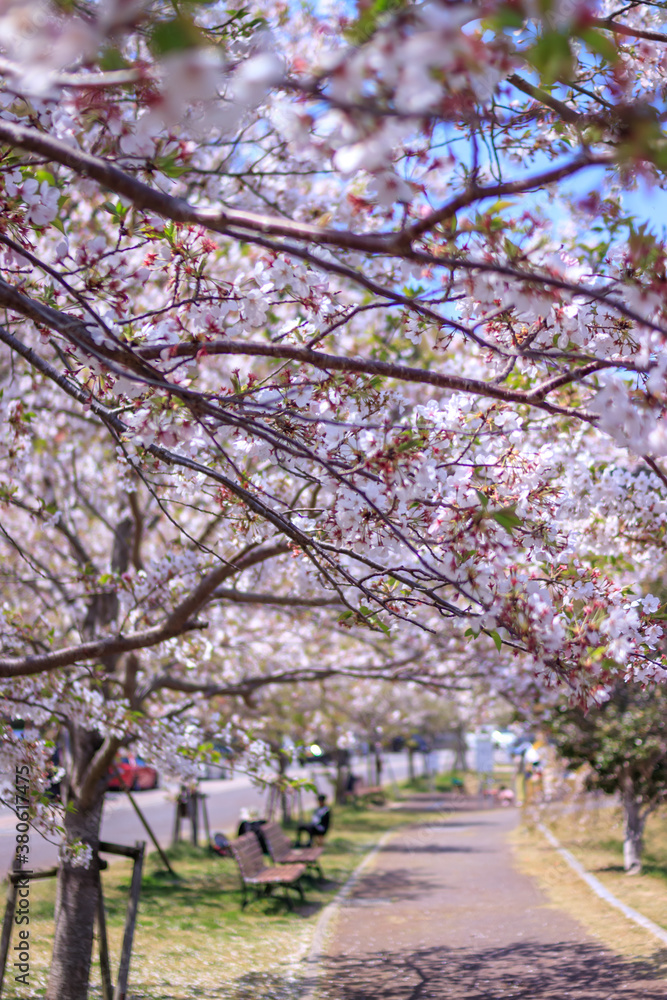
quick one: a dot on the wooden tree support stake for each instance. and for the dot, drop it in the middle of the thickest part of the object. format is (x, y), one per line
(149, 831)
(204, 812)
(12, 889)
(187, 808)
(130, 921)
(15, 876)
(103, 944)
(193, 808)
(137, 854)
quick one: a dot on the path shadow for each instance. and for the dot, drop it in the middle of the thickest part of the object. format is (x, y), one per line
(438, 803)
(268, 985)
(409, 847)
(400, 883)
(525, 971)
(442, 822)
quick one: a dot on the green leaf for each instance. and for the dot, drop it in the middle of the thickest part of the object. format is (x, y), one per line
(496, 638)
(112, 59)
(600, 44)
(175, 35)
(41, 174)
(507, 519)
(370, 19)
(506, 17)
(552, 57)
(499, 206)
(170, 167)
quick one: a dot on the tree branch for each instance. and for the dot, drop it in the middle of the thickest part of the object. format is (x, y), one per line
(179, 621)
(333, 362)
(476, 194)
(147, 198)
(624, 29)
(561, 109)
(240, 597)
(97, 649)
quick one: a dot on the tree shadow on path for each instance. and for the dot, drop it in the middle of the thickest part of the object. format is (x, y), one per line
(398, 884)
(525, 971)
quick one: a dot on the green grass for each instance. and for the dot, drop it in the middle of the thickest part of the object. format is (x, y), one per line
(446, 782)
(451, 781)
(595, 837)
(598, 834)
(192, 938)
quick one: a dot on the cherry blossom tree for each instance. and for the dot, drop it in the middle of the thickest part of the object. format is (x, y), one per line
(349, 313)
(622, 745)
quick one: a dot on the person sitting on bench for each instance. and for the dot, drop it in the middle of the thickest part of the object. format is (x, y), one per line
(319, 823)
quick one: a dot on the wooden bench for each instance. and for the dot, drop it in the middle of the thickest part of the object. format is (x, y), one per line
(257, 876)
(282, 852)
(362, 791)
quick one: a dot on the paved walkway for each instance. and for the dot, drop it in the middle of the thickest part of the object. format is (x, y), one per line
(442, 913)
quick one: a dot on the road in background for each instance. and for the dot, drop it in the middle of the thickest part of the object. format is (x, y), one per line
(225, 800)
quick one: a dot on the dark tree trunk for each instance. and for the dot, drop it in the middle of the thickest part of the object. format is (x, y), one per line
(76, 904)
(378, 766)
(77, 892)
(411, 764)
(76, 896)
(285, 796)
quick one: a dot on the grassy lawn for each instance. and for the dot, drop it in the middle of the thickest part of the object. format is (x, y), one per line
(449, 781)
(192, 939)
(595, 837)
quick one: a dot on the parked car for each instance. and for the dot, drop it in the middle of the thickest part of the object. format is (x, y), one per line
(123, 773)
(315, 753)
(146, 775)
(128, 771)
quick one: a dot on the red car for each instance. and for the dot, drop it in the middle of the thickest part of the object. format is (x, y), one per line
(132, 772)
(146, 775)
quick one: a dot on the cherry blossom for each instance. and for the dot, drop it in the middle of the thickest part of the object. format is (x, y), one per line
(331, 347)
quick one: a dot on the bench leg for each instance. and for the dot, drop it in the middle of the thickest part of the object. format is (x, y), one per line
(250, 893)
(287, 898)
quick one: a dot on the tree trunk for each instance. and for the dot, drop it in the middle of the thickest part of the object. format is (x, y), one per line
(285, 796)
(460, 762)
(378, 766)
(411, 764)
(78, 885)
(341, 778)
(76, 905)
(633, 832)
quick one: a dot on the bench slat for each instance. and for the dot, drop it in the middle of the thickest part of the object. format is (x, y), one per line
(250, 859)
(282, 851)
